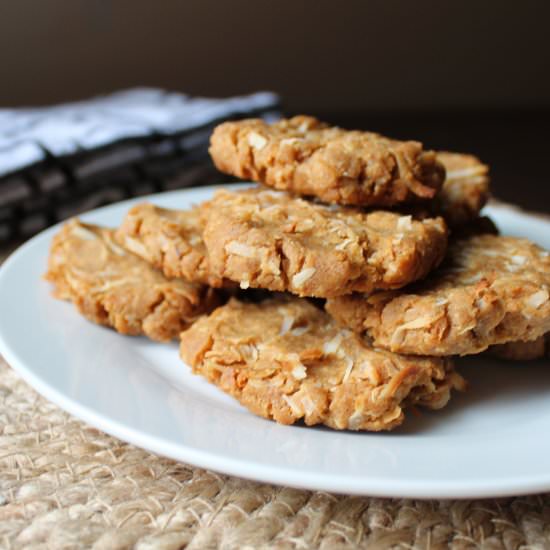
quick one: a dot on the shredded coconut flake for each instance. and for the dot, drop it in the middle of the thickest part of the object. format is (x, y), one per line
(293, 405)
(466, 172)
(302, 276)
(355, 420)
(286, 325)
(308, 404)
(467, 328)
(419, 322)
(299, 372)
(274, 266)
(110, 285)
(256, 140)
(518, 260)
(397, 239)
(332, 345)
(249, 351)
(136, 247)
(473, 279)
(240, 249)
(537, 299)
(343, 244)
(404, 223)
(244, 284)
(194, 240)
(305, 225)
(371, 372)
(290, 141)
(349, 368)
(480, 303)
(83, 233)
(298, 331)
(115, 248)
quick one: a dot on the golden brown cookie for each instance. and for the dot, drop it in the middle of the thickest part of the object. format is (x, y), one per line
(286, 360)
(465, 190)
(308, 157)
(522, 351)
(111, 286)
(170, 240)
(491, 290)
(271, 240)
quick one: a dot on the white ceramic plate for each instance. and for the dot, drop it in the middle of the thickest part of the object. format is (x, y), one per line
(490, 441)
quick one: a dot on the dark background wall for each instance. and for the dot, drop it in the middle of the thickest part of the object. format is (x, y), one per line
(471, 75)
(332, 56)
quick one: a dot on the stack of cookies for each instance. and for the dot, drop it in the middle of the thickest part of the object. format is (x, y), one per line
(336, 292)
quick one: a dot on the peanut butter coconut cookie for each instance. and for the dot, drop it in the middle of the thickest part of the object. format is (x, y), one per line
(271, 240)
(523, 351)
(491, 290)
(286, 360)
(308, 157)
(111, 286)
(465, 190)
(170, 240)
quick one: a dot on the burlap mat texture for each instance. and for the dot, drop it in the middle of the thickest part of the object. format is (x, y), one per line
(65, 485)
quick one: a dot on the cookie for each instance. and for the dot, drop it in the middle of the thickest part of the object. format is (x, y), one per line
(522, 351)
(308, 157)
(111, 286)
(465, 190)
(491, 290)
(271, 240)
(287, 360)
(170, 240)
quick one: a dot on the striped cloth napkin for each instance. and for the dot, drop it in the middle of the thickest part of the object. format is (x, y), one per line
(59, 161)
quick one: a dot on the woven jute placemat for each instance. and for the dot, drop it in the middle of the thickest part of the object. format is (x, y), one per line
(65, 485)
